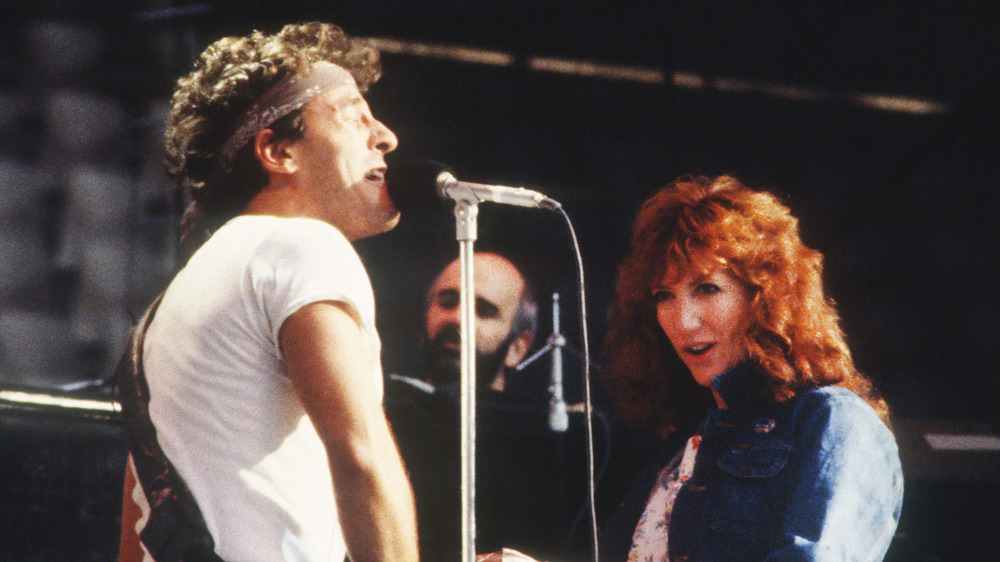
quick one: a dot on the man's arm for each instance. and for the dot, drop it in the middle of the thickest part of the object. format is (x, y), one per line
(322, 347)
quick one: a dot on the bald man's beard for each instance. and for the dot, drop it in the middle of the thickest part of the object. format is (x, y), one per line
(442, 359)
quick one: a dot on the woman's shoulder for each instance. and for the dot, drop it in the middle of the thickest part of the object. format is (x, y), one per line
(830, 397)
(836, 406)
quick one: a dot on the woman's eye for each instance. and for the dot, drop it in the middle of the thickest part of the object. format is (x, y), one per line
(660, 296)
(708, 289)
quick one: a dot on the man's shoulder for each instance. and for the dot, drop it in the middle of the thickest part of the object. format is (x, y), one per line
(269, 227)
(279, 240)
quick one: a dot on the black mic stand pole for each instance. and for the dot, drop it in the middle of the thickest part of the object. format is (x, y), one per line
(466, 213)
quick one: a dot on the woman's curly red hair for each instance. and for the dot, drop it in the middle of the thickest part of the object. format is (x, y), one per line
(793, 331)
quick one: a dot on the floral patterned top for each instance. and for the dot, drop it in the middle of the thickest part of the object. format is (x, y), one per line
(649, 542)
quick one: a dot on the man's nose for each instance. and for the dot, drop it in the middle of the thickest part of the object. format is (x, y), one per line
(385, 140)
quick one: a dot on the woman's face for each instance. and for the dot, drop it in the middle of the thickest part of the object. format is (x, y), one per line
(702, 311)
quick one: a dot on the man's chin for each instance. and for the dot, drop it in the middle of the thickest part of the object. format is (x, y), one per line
(446, 368)
(392, 222)
(445, 373)
(388, 222)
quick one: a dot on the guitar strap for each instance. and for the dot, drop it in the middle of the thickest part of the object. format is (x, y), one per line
(175, 530)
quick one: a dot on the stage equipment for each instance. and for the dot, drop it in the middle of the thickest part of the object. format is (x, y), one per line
(414, 185)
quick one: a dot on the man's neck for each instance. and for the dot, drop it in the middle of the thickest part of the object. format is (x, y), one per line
(279, 200)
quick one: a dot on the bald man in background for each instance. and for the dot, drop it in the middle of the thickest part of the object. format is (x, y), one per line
(424, 409)
(506, 321)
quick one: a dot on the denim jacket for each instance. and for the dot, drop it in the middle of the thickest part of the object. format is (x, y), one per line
(816, 478)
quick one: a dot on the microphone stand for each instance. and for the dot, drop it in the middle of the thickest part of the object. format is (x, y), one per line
(558, 410)
(466, 213)
(558, 418)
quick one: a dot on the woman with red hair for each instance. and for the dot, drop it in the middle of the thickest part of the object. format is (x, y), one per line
(720, 333)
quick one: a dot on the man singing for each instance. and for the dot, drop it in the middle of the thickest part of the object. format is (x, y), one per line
(262, 360)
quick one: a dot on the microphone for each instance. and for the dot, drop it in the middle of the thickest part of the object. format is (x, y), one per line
(416, 184)
(558, 416)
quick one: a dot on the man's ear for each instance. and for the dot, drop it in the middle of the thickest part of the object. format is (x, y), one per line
(273, 154)
(518, 349)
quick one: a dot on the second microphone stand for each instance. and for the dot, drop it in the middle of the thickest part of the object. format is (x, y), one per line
(558, 410)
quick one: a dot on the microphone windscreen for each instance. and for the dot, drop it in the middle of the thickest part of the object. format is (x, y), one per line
(413, 185)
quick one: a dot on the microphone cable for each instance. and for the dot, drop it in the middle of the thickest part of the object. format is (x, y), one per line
(588, 406)
(586, 506)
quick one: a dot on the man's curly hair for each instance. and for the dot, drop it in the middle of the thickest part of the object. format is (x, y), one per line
(228, 77)
(793, 331)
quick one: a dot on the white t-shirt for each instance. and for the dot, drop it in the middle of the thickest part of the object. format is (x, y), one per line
(225, 412)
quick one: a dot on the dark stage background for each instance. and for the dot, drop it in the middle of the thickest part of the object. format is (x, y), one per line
(901, 199)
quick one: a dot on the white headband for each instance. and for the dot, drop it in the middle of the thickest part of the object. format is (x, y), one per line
(284, 97)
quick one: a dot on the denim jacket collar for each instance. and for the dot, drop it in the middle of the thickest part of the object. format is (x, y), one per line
(743, 386)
